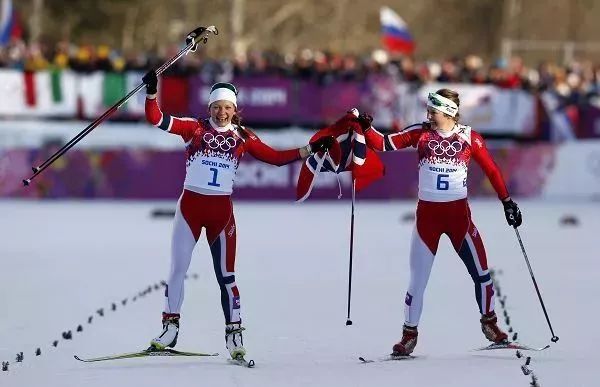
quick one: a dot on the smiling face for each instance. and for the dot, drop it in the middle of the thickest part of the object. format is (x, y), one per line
(439, 120)
(222, 112)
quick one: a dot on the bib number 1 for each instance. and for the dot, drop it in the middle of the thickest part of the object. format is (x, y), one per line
(213, 182)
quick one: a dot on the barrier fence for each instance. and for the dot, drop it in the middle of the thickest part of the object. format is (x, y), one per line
(280, 101)
(571, 170)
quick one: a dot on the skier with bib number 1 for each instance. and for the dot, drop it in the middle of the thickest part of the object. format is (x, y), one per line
(214, 147)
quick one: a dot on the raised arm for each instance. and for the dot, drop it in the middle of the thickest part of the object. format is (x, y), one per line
(181, 126)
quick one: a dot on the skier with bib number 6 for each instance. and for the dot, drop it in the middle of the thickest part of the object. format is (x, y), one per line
(445, 148)
(214, 147)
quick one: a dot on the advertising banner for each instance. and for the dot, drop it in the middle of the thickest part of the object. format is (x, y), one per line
(261, 99)
(274, 101)
(570, 170)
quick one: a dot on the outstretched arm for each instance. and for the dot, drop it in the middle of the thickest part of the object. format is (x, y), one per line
(265, 153)
(388, 142)
(393, 141)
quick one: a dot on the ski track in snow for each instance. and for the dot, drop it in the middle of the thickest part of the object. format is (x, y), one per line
(63, 260)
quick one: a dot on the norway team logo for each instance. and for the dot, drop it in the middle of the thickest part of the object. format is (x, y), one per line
(219, 142)
(236, 302)
(408, 299)
(444, 147)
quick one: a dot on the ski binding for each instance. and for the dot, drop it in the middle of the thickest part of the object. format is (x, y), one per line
(239, 360)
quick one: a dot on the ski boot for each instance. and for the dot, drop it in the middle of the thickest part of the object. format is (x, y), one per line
(234, 340)
(489, 327)
(168, 336)
(408, 342)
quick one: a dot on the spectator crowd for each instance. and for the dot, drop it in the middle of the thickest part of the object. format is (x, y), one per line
(575, 83)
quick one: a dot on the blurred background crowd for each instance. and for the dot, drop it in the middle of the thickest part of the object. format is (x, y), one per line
(292, 40)
(505, 44)
(577, 80)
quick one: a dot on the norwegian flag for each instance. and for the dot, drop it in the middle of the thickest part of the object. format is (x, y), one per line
(349, 153)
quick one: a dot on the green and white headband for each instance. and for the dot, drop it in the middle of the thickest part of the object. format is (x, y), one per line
(442, 104)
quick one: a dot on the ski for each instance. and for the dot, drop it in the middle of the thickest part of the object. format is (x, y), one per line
(511, 346)
(145, 353)
(239, 360)
(386, 358)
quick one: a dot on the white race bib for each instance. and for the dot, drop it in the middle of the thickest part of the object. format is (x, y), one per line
(442, 182)
(211, 173)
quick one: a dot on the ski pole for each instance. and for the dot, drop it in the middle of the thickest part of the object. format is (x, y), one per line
(201, 38)
(554, 338)
(348, 321)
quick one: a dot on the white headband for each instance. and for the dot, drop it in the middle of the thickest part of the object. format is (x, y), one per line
(222, 94)
(442, 104)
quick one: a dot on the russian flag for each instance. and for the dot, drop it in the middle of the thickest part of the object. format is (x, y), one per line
(394, 32)
(9, 23)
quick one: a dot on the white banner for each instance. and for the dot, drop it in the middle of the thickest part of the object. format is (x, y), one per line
(13, 104)
(90, 91)
(575, 171)
(12, 90)
(45, 105)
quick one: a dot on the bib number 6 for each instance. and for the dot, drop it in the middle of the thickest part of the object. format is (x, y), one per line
(442, 183)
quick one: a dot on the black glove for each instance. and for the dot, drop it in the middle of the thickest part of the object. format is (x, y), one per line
(512, 213)
(322, 144)
(151, 82)
(365, 120)
(194, 34)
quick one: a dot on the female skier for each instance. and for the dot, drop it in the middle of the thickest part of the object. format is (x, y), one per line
(445, 148)
(214, 147)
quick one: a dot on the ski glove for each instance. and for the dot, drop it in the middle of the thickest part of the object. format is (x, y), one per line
(194, 34)
(151, 82)
(322, 144)
(365, 120)
(512, 213)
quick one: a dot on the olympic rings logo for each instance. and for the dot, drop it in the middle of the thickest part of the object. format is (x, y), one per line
(446, 147)
(219, 141)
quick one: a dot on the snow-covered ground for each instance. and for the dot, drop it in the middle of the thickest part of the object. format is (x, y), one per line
(61, 261)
